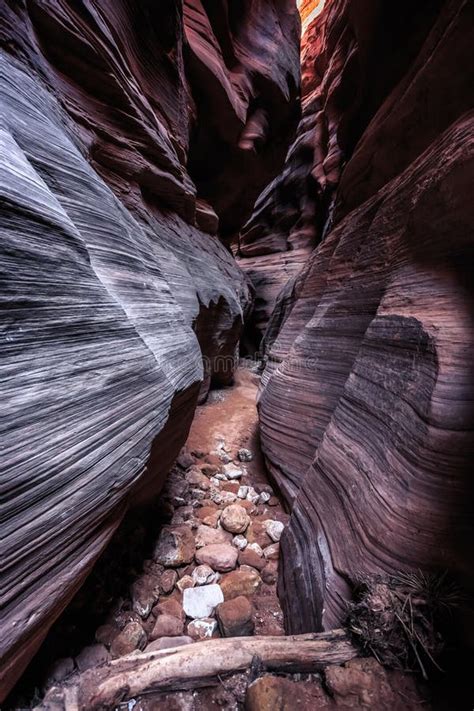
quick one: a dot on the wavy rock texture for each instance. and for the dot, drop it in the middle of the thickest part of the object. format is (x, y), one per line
(244, 63)
(288, 217)
(111, 292)
(367, 402)
(352, 56)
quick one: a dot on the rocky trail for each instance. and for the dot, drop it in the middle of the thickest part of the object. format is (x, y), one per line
(212, 538)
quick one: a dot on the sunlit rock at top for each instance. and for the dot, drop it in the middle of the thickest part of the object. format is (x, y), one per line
(309, 9)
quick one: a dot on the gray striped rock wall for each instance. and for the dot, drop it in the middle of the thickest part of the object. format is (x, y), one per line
(110, 289)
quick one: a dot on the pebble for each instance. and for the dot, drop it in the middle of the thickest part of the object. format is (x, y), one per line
(240, 542)
(257, 533)
(251, 558)
(185, 582)
(272, 552)
(105, 634)
(245, 581)
(201, 601)
(274, 529)
(212, 520)
(130, 638)
(235, 617)
(205, 536)
(168, 580)
(235, 519)
(244, 455)
(242, 492)
(210, 470)
(167, 626)
(207, 510)
(175, 546)
(223, 497)
(264, 497)
(232, 472)
(219, 556)
(248, 506)
(252, 495)
(202, 629)
(270, 572)
(255, 547)
(204, 575)
(185, 459)
(144, 593)
(170, 606)
(195, 477)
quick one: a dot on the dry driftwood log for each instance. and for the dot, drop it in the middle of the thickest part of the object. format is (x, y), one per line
(195, 665)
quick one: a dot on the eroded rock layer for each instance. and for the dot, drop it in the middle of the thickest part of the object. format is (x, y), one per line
(366, 406)
(112, 286)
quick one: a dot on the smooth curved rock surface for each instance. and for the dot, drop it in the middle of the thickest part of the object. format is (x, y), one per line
(112, 292)
(243, 60)
(366, 404)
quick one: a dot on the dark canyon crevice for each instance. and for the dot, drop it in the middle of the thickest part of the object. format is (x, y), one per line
(172, 188)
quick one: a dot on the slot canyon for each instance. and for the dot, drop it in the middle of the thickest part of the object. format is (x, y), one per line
(237, 294)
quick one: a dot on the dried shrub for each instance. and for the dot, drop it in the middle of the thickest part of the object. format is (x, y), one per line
(400, 619)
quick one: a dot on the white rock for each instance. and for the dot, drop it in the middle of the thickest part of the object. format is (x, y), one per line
(274, 529)
(202, 601)
(204, 575)
(223, 497)
(232, 472)
(255, 547)
(214, 480)
(252, 495)
(245, 455)
(240, 542)
(264, 497)
(242, 492)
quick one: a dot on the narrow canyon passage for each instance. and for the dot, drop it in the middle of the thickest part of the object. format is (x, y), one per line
(236, 337)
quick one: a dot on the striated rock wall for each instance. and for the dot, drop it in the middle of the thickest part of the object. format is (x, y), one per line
(352, 56)
(288, 217)
(112, 286)
(366, 406)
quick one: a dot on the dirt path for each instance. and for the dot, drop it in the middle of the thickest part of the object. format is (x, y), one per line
(227, 423)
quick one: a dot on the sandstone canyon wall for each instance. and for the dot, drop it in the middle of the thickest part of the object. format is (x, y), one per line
(366, 406)
(128, 130)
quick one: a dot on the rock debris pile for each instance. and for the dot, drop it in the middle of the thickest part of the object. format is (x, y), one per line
(213, 569)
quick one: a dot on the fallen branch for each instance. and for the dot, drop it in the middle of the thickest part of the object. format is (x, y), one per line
(183, 667)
